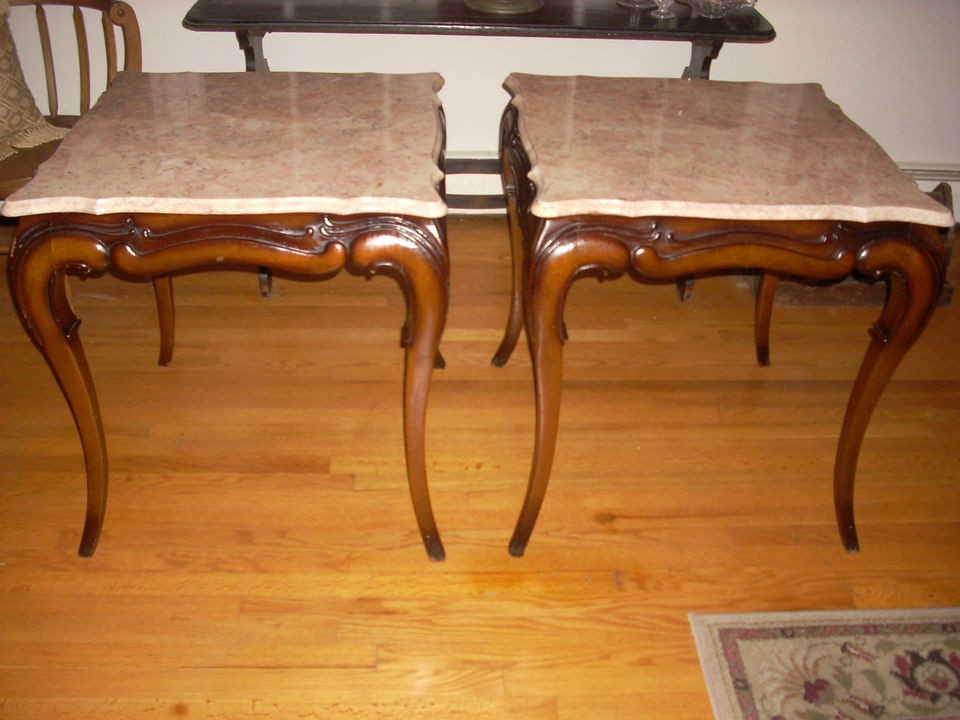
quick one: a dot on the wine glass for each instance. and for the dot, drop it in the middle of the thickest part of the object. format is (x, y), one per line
(663, 10)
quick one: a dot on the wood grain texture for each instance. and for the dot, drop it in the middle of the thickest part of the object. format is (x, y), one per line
(260, 558)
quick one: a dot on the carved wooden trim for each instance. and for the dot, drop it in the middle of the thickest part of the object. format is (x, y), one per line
(135, 245)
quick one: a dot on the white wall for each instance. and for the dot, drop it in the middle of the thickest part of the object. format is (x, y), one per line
(894, 65)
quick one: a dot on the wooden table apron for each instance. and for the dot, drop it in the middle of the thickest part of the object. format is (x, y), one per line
(550, 254)
(47, 248)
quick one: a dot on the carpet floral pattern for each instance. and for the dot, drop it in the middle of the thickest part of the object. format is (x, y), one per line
(886, 665)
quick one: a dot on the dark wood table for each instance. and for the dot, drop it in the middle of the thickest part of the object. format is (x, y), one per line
(158, 178)
(251, 20)
(703, 179)
(598, 19)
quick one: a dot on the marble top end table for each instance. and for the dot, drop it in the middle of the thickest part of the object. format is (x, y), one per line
(303, 172)
(667, 179)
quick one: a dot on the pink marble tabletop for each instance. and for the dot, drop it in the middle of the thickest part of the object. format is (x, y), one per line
(636, 147)
(225, 143)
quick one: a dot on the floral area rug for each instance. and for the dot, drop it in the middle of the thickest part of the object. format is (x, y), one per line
(851, 665)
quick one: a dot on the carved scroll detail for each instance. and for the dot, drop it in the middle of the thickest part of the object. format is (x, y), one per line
(661, 249)
(150, 246)
(29, 238)
(148, 240)
(870, 238)
(349, 230)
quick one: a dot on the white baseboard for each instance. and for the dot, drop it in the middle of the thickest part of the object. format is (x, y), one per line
(933, 172)
(929, 175)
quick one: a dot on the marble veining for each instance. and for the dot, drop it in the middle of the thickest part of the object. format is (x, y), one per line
(641, 147)
(249, 143)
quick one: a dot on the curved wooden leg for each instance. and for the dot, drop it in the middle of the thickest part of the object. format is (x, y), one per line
(428, 297)
(417, 258)
(41, 295)
(419, 365)
(545, 332)
(762, 314)
(915, 284)
(439, 363)
(515, 320)
(163, 291)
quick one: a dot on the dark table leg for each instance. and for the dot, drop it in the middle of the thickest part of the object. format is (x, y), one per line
(914, 265)
(418, 260)
(163, 291)
(763, 315)
(702, 55)
(544, 299)
(38, 282)
(518, 193)
(251, 43)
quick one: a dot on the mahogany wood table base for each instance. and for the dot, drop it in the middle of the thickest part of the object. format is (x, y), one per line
(48, 248)
(307, 173)
(550, 253)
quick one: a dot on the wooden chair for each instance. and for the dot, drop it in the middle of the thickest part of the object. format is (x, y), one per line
(117, 18)
(19, 169)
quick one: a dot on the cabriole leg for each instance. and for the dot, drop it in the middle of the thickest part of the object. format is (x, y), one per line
(418, 259)
(916, 278)
(546, 349)
(163, 291)
(39, 289)
(515, 320)
(762, 316)
(430, 300)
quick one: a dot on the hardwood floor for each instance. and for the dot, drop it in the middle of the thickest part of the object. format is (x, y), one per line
(260, 556)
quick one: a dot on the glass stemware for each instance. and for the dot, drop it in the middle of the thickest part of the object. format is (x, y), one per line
(663, 10)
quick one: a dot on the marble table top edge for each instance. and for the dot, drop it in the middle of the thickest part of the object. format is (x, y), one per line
(240, 143)
(666, 147)
(131, 205)
(758, 213)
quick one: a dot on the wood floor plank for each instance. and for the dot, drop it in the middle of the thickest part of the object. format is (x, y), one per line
(198, 704)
